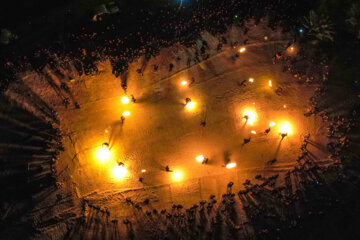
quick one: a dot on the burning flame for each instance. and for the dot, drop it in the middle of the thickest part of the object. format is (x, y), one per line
(270, 84)
(253, 132)
(104, 153)
(200, 158)
(126, 114)
(119, 171)
(272, 124)
(184, 82)
(285, 128)
(143, 170)
(230, 165)
(251, 80)
(177, 176)
(125, 100)
(242, 49)
(190, 105)
(251, 116)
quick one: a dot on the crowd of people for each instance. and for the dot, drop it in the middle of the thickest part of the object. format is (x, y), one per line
(30, 148)
(267, 207)
(272, 207)
(150, 30)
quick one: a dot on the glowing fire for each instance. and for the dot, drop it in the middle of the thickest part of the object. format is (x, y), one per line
(126, 114)
(270, 83)
(251, 80)
(285, 128)
(190, 105)
(177, 175)
(272, 124)
(200, 158)
(249, 116)
(104, 153)
(253, 132)
(125, 100)
(230, 165)
(242, 49)
(143, 170)
(119, 171)
(184, 82)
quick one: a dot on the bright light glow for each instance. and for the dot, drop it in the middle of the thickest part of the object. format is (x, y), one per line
(177, 176)
(242, 49)
(104, 153)
(285, 128)
(270, 83)
(251, 80)
(230, 165)
(126, 114)
(251, 116)
(190, 105)
(284, 106)
(200, 158)
(119, 171)
(143, 170)
(125, 100)
(253, 132)
(184, 82)
(266, 38)
(272, 124)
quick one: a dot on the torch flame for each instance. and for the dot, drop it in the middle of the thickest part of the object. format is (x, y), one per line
(253, 132)
(125, 100)
(119, 171)
(190, 105)
(104, 153)
(177, 176)
(184, 82)
(242, 49)
(285, 128)
(270, 84)
(126, 114)
(250, 115)
(251, 80)
(200, 158)
(230, 165)
(272, 124)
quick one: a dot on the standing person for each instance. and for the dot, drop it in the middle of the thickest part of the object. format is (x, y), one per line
(133, 98)
(192, 81)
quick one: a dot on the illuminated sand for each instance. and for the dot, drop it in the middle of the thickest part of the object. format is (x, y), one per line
(160, 131)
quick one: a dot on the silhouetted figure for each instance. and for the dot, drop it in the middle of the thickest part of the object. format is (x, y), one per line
(192, 81)
(267, 131)
(272, 161)
(167, 168)
(77, 106)
(246, 140)
(171, 66)
(229, 186)
(187, 100)
(133, 98)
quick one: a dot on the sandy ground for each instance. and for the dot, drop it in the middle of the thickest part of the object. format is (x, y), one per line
(160, 131)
